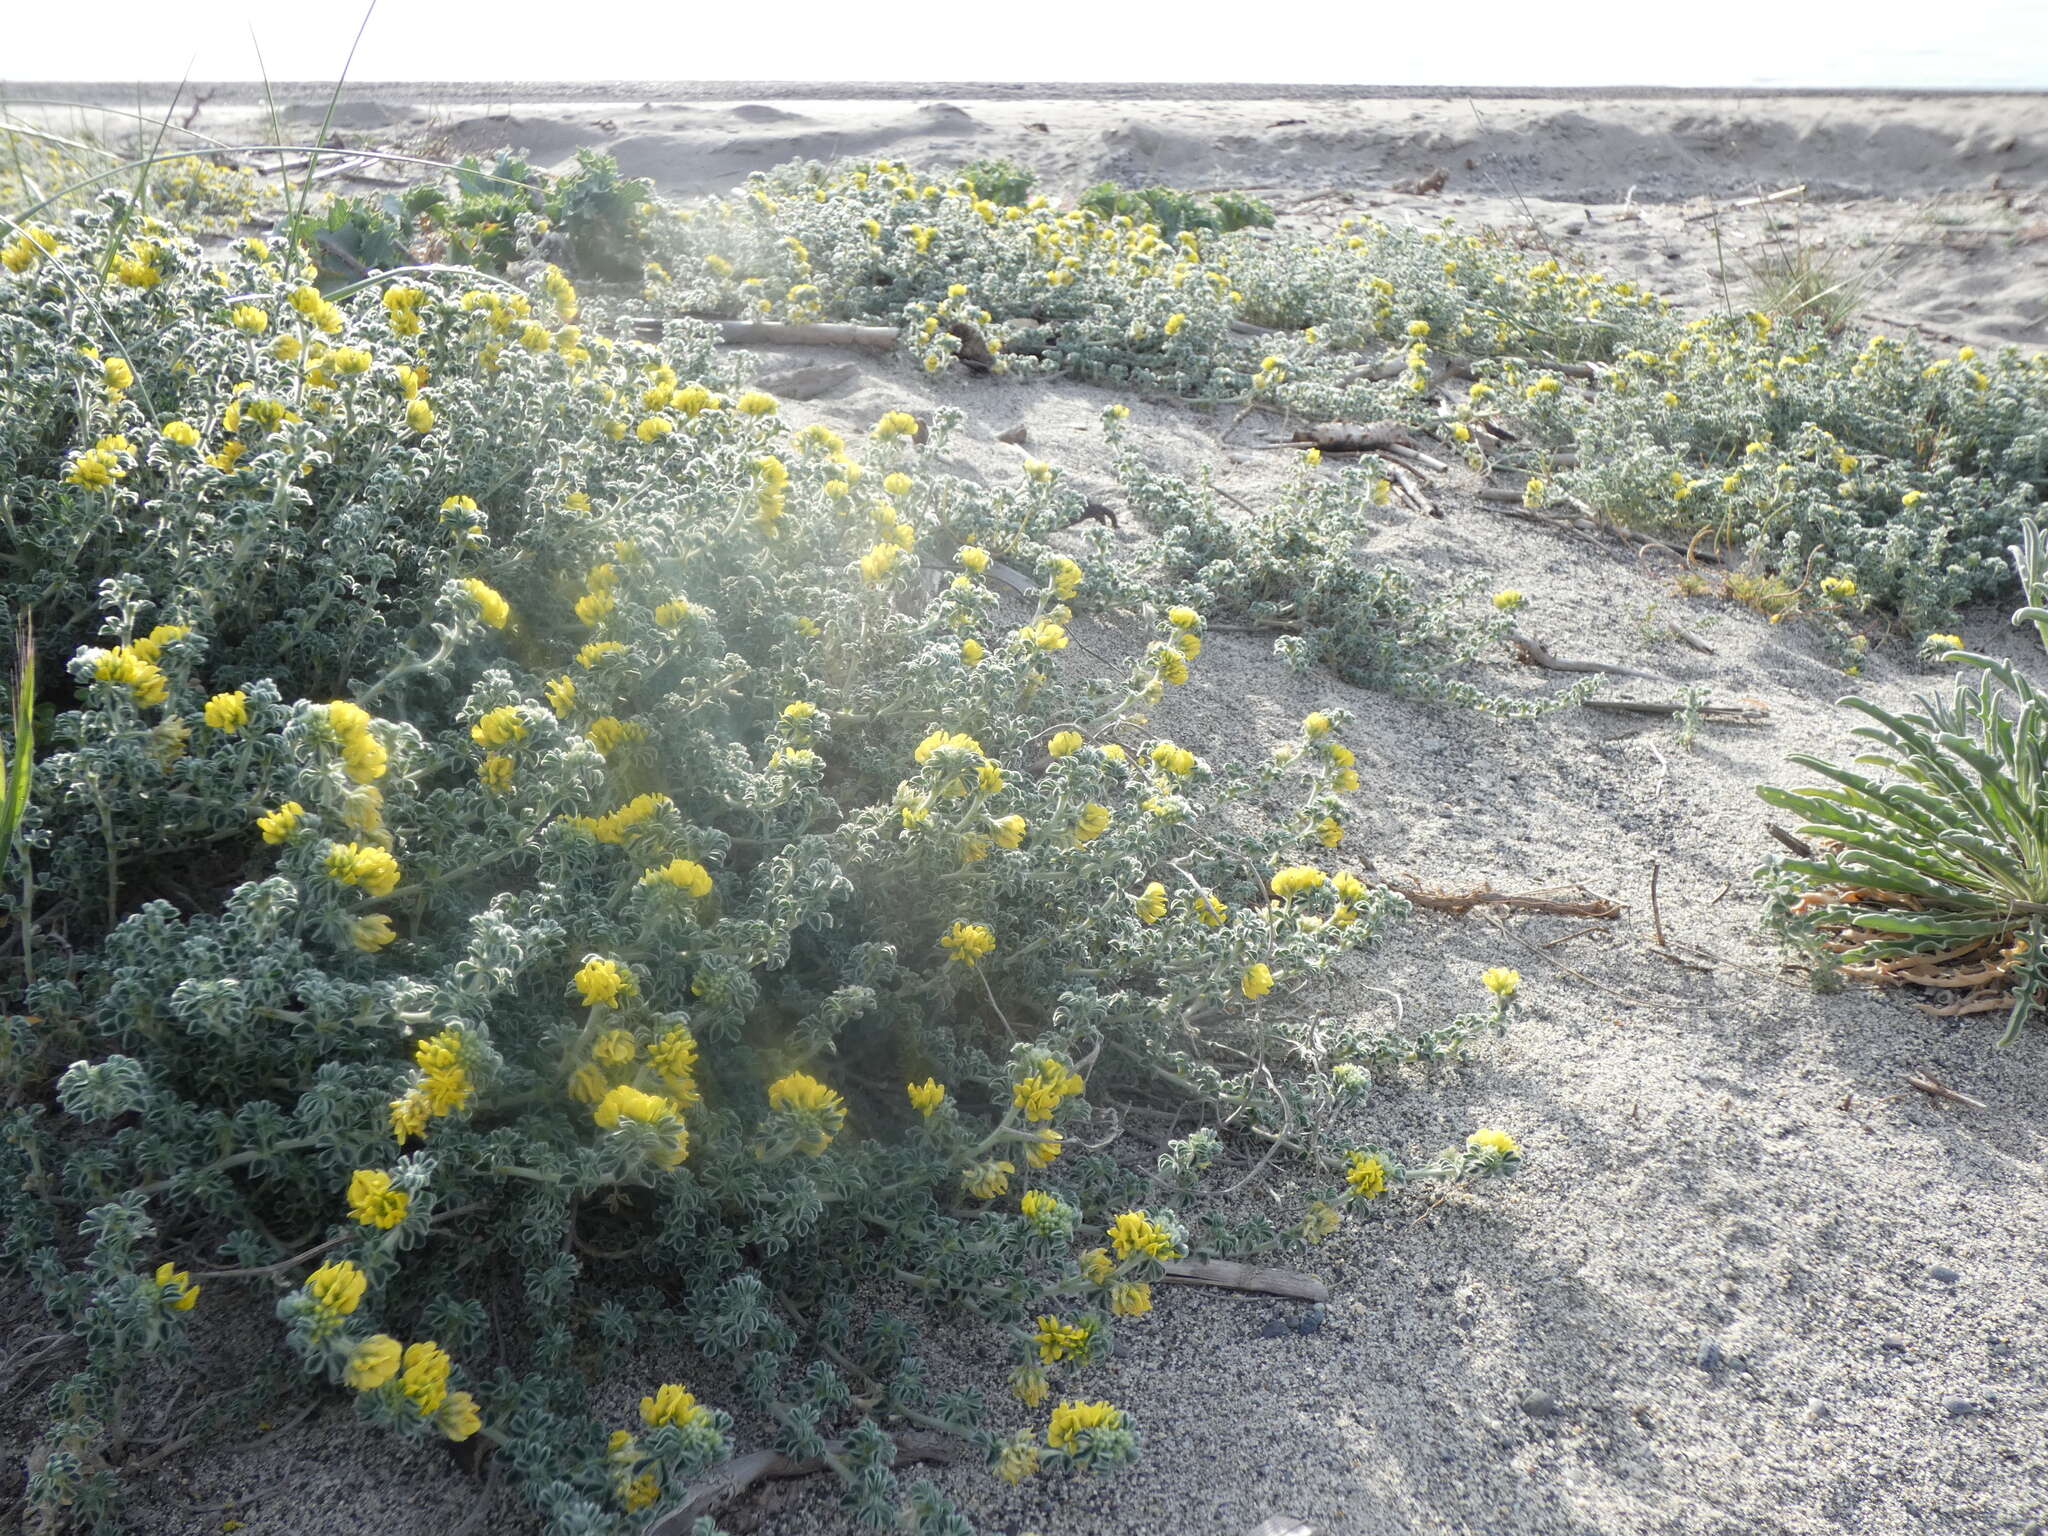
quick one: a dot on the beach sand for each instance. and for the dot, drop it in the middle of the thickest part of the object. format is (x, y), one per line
(1749, 1281)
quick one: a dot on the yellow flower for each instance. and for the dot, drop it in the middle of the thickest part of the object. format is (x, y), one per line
(494, 610)
(1948, 642)
(337, 1288)
(1492, 1141)
(1059, 1340)
(987, 1180)
(968, 942)
(973, 556)
(183, 433)
(372, 1363)
(1178, 761)
(499, 728)
(1069, 1420)
(896, 424)
(1366, 1175)
(116, 374)
(1295, 879)
(424, 1378)
(1257, 981)
(228, 712)
(1066, 578)
(615, 1048)
(755, 403)
(1135, 1232)
(971, 651)
(458, 1418)
(1091, 823)
(561, 695)
(177, 1287)
(602, 981)
(671, 1404)
(126, 666)
(1210, 911)
(625, 1102)
(879, 561)
(927, 1096)
(1151, 904)
(1064, 743)
(495, 772)
(1507, 600)
(373, 1202)
(1500, 981)
(1044, 635)
(1174, 322)
(684, 874)
(371, 870)
(1171, 664)
(1130, 1298)
(1010, 830)
(1329, 831)
(1028, 1385)
(1047, 1145)
(801, 1094)
(420, 417)
(371, 933)
(671, 614)
(280, 823)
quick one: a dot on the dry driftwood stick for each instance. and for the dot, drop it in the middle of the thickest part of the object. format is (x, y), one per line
(1229, 1276)
(1711, 714)
(1940, 1090)
(1359, 437)
(775, 333)
(731, 1478)
(1283, 1525)
(1656, 912)
(1531, 652)
(1458, 903)
(1798, 845)
(1748, 202)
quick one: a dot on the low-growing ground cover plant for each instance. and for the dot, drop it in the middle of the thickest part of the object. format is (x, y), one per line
(1819, 455)
(532, 853)
(1933, 872)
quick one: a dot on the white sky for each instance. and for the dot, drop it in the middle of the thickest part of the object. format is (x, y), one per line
(1896, 43)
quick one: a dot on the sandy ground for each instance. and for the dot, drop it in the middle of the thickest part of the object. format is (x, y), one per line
(1749, 1281)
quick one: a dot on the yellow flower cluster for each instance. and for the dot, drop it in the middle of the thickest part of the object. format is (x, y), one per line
(821, 1111)
(968, 942)
(612, 828)
(369, 869)
(363, 757)
(1071, 1420)
(1050, 1085)
(685, 875)
(443, 1087)
(228, 712)
(373, 1202)
(1365, 1174)
(926, 1097)
(1134, 1232)
(491, 607)
(1059, 1340)
(175, 1287)
(603, 981)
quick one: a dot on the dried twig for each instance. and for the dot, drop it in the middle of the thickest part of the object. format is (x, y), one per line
(731, 1478)
(1656, 913)
(1747, 202)
(775, 333)
(1710, 714)
(1532, 652)
(1226, 1275)
(1940, 1090)
(1798, 845)
(1458, 903)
